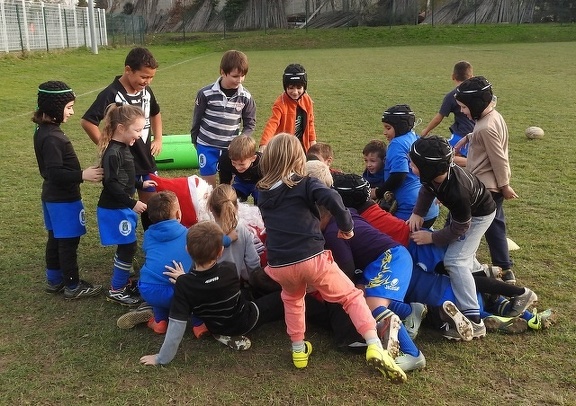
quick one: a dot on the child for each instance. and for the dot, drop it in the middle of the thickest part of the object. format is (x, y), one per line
(472, 209)
(488, 159)
(163, 242)
(383, 267)
(64, 216)
(241, 162)
(219, 109)
(211, 291)
(117, 209)
(374, 155)
(296, 255)
(462, 124)
(398, 122)
(293, 110)
(132, 87)
(223, 204)
(355, 193)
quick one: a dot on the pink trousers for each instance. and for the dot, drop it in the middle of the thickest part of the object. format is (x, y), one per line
(323, 274)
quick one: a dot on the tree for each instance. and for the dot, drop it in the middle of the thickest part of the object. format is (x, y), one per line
(102, 4)
(82, 3)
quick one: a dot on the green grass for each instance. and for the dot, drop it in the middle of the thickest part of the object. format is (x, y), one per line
(55, 352)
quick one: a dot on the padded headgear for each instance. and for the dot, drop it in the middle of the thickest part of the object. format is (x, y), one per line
(476, 94)
(53, 96)
(432, 156)
(400, 117)
(295, 74)
(354, 189)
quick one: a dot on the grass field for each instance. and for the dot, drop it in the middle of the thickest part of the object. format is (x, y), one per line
(54, 352)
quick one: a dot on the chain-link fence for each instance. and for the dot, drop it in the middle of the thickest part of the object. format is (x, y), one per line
(126, 29)
(26, 26)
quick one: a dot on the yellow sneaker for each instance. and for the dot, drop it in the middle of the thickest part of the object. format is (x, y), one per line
(379, 359)
(300, 358)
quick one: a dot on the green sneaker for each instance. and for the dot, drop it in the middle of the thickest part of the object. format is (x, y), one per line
(300, 358)
(506, 325)
(379, 359)
(542, 320)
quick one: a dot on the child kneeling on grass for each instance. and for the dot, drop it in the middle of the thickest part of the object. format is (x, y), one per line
(211, 291)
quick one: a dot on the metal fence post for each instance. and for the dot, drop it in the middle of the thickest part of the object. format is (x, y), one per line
(25, 18)
(4, 28)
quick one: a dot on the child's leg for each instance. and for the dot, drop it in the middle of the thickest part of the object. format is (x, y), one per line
(122, 265)
(54, 275)
(68, 253)
(496, 236)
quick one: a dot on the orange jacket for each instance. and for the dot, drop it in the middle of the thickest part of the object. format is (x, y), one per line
(283, 119)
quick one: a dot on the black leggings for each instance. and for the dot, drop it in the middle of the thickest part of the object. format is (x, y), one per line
(62, 253)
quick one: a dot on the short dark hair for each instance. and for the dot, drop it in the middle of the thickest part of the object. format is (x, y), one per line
(161, 205)
(462, 71)
(204, 242)
(139, 58)
(234, 60)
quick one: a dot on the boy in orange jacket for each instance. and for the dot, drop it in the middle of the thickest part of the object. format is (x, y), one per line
(293, 110)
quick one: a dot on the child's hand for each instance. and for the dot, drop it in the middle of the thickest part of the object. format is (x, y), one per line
(373, 193)
(233, 235)
(422, 237)
(149, 183)
(140, 207)
(345, 235)
(508, 192)
(156, 146)
(174, 273)
(415, 222)
(149, 359)
(93, 174)
(461, 143)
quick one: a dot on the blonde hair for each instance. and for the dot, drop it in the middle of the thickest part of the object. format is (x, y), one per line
(321, 171)
(223, 203)
(115, 115)
(282, 158)
(242, 147)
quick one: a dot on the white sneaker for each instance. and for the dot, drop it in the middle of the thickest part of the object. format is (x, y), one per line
(414, 319)
(409, 362)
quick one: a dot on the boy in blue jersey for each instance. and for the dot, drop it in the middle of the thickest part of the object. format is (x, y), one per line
(374, 154)
(462, 124)
(219, 109)
(398, 122)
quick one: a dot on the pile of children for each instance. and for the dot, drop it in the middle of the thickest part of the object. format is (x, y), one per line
(356, 253)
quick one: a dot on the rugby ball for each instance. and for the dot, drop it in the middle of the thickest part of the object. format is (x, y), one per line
(533, 133)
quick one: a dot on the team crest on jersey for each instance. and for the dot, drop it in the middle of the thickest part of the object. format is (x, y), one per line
(201, 160)
(239, 106)
(125, 228)
(82, 217)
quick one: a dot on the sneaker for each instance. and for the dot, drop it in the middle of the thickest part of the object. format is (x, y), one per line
(200, 331)
(409, 362)
(542, 320)
(379, 359)
(506, 325)
(238, 343)
(300, 358)
(518, 304)
(457, 326)
(159, 327)
(387, 329)
(508, 276)
(413, 321)
(123, 297)
(84, 289)
(478, 329)
(54, 288)
(492, 271)
(140, 315)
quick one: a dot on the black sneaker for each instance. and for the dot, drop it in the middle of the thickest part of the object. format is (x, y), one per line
(54, 288)
(508, 276)
(84, 289)
(123, 297)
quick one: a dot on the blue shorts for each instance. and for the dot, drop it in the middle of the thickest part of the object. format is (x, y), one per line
(245, 189)
(389, 276)
(66, 220)
(454, 138)
(116, 226)
(142, 178)
(208, 159)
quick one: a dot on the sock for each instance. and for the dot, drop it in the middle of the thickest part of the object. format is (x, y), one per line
(504, 306)
(527, 315)
(54, 276)
(402, 309)
(298, 346)
(120, 273)
(375, 341)
(381, 312)
(407, 346)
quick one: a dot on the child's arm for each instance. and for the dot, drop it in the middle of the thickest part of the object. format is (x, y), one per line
(174, 334)
(156, 126)
(423, 203)
(437, 119)
(249, 117)
(199, 109)
(272, 125)
(331, 199)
